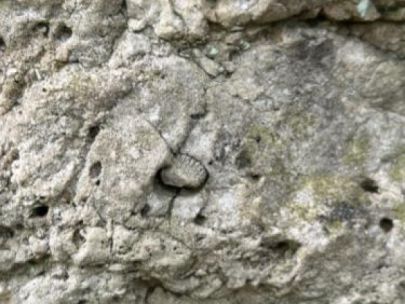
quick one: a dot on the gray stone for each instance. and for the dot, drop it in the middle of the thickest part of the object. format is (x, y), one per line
(178, 151)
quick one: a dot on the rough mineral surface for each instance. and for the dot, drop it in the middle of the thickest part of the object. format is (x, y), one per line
(292, 117)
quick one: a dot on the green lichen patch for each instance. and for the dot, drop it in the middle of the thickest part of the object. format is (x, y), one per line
(397, 172)
(244, 158)
(260, 145)
(334, 226)
(258, 134)
(399, 212)
(300, 123)
(357, 150)
(268, 149)
(331, 197)
(306, 212)
(334, 188)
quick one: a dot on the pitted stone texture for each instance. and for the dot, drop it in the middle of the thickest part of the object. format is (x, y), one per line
(125, 174)
(300, 125)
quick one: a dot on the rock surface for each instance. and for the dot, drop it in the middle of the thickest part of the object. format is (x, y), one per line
(202, 151)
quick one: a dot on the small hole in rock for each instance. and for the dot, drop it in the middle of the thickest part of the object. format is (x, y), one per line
(197, 116)
(258, 139)
(200, 219)
(17, 81)
(145, 210)
(282, 246)
(63, 32)
(97, 183)
(199, 237)
(77, 238)
(124, 7)
(243, 160)
(40, 211)
(386, 224)
(6, 232)
(233, 53)
(255, 176)
(95, 169)
(42, 28)
(369, 185)
(2, 45)
(93, 132)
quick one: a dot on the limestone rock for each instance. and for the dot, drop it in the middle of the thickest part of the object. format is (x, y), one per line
(203, 151)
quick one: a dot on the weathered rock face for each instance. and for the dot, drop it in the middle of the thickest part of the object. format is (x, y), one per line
(202, 151)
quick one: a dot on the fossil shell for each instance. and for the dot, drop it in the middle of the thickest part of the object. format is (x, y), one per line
(184, 172)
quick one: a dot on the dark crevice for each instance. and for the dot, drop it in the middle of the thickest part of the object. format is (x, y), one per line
(369, 185)
(93, 132)
(124, 7)
(40, 210)
(386, 224)
(243, 159)
(200, 219)
(6, 232)
(199, 237)
(100, 216)
(198, 116)
(39, 261)
(77, 238)
(95, 169)
(149, 292)
(2, 45)
(171, 203)
(42, 28)
(152, 284)
(90, 138)
(318, 20)
(254, 176)
(281, 247)
(62, 32)
(145, 210)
